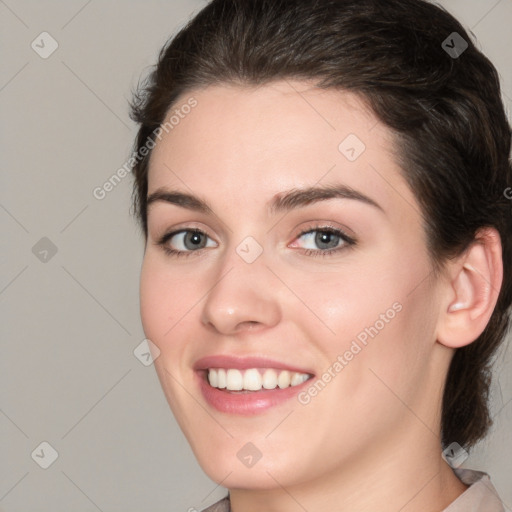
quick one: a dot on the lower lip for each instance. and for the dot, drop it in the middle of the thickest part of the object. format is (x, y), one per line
(246, 404)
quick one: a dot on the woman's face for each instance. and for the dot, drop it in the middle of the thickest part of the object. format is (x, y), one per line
(284, 245)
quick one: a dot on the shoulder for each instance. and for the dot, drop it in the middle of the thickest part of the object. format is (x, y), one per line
(481, 496)
(220, 506)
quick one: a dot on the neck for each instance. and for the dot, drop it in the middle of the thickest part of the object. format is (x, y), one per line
(395, 474)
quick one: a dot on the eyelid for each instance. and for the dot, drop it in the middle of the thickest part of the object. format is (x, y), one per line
(327, 226)
(184, 226)
(171, 234)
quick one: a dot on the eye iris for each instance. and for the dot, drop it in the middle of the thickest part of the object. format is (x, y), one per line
(326, 240)
(193, 240)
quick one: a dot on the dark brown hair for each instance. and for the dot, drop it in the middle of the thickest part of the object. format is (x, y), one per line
(451, 131)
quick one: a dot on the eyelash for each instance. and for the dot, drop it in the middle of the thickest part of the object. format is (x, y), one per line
(347, 242)
(162, 242)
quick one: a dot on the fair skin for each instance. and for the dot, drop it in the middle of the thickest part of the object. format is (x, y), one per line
(370, 438)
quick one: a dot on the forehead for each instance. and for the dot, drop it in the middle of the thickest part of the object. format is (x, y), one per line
(262, 140)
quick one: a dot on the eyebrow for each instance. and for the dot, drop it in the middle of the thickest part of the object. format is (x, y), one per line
(298, 198)
(284, 201)
(188, 201)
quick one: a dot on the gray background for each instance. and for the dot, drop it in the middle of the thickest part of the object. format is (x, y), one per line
(70, 320)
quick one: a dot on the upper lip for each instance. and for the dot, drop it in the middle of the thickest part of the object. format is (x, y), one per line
(244, 363)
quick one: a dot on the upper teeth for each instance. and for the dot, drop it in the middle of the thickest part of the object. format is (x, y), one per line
(254, 379)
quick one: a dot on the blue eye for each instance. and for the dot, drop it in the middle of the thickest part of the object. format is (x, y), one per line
(323, 241)
(185, 241)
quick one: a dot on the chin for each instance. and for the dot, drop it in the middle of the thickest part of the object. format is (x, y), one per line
(261, 476)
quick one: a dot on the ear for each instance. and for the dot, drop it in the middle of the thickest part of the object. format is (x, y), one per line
(471, 290)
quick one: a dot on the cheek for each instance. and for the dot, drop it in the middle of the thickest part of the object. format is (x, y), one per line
(166, 300)
(166, 307)
(155, 306)
(345, 301)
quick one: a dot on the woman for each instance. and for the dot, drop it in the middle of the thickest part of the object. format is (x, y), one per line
(327, 271)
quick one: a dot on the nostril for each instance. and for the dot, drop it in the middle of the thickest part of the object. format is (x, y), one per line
(249, 325)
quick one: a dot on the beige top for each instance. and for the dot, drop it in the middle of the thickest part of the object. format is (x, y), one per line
(481, 496)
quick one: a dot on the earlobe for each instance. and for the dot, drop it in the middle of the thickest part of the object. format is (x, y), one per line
(472, 291)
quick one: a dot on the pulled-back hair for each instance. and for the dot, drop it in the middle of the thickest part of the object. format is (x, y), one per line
(442, 103)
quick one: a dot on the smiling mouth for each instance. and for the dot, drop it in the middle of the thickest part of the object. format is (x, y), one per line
(253, 379)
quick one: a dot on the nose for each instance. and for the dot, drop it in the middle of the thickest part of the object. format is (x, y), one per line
(241, 298)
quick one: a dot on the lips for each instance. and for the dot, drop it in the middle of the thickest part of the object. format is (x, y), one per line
(248, 385)
(245, 363)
